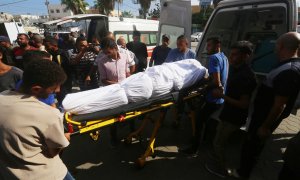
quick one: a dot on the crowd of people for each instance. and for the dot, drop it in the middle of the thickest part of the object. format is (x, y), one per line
(36, 76)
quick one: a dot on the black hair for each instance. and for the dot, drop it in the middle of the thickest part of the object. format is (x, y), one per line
(44, 73)
(80, 38)
(32, 55)
(24, 34)
(51, 40)
(108, 43)
(244, 47)
(136, 33)
(214, 40)
(181, 37)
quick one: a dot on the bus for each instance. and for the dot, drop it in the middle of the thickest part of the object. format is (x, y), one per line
(97, 25)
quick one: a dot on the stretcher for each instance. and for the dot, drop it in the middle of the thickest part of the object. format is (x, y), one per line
(93, 122)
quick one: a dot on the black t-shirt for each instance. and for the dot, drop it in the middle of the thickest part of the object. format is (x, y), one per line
(241, 81)
(140, 51)
(159, 54)
(282, 81)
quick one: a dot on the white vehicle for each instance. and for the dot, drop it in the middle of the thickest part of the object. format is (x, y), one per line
(96, 25)
(196, 36)
(11, 30)
(258, 21)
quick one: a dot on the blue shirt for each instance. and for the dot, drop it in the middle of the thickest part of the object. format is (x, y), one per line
(49, 100)
(175, 55)
(218, 63)
(160, 54)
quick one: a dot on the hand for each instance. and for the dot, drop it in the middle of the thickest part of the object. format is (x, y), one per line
(87, 80)
(218, 93)
(68, 136)
(263, 132)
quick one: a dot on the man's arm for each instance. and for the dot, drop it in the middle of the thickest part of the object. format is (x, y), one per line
(278, 106)
(242, 103)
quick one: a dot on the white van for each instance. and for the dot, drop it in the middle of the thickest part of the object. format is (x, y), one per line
(11, 30)
(97, 25)
(258, 21)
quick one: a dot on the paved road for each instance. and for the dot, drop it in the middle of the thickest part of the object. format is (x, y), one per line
(89, 159)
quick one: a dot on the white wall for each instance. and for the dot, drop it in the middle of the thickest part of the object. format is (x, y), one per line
(57, 11)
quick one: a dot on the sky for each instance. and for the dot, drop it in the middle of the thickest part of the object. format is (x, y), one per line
(38, 7)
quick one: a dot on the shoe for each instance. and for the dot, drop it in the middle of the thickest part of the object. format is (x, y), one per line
(190, 150)
(233, 173)
(217, 170)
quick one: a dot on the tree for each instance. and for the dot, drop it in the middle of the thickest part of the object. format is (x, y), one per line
(106, 6)
(145, 6)
(155, 13)
(216, 2)
(127, 14)
(76, 6)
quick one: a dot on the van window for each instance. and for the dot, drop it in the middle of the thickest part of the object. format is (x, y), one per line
(261, 25)
(98, 28)
(173, 32)
(149, 38)
(153, 38)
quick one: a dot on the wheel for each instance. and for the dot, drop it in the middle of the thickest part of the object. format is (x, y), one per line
(128, 141)
(140, 163)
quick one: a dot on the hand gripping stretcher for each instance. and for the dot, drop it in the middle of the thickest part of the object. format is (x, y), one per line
(92, 122)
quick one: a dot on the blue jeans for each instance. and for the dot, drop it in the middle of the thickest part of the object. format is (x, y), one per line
(69, 176)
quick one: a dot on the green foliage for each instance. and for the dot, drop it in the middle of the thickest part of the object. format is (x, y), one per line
(76, 6)
(202, 17)
(127, 14)
(155, 13)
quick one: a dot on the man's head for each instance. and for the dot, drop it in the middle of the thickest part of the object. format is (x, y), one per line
(240, 53)
(110, 35)
(30, 34)
(136, 35)
(5, 42)
(51, 44)
(41, 78)
(23, 40)
(2, 51)
(287, 46)
(182, 43)
(213, 45)
(121, 42)
(37, 40)
(109, 47)
(81, 43)
(165, 40)
(32, 55)
(55, 36)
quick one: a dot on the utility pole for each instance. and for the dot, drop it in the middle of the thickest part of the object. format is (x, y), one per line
(47, 5)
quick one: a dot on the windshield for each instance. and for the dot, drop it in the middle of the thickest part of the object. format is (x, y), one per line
(261, 26)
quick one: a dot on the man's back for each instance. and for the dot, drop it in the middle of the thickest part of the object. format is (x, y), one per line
(140, 51)
(30, 136)
(282, 81)
(218, 63)
(175, 55)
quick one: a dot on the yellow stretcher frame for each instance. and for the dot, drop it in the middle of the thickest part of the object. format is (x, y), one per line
(93, 126)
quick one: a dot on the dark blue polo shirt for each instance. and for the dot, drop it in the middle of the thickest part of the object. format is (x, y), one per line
(282, 81)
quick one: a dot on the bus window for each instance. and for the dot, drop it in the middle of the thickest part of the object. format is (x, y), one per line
(145, 39)
(153, 39)
(130, 37)
(98, 28)
(173, 32)
(125, 36)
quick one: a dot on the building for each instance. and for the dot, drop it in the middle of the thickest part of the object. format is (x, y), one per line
(5, 17)
(57, 11)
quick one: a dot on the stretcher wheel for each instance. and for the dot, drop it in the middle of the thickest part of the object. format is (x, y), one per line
(128, 141)
(140, 163)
